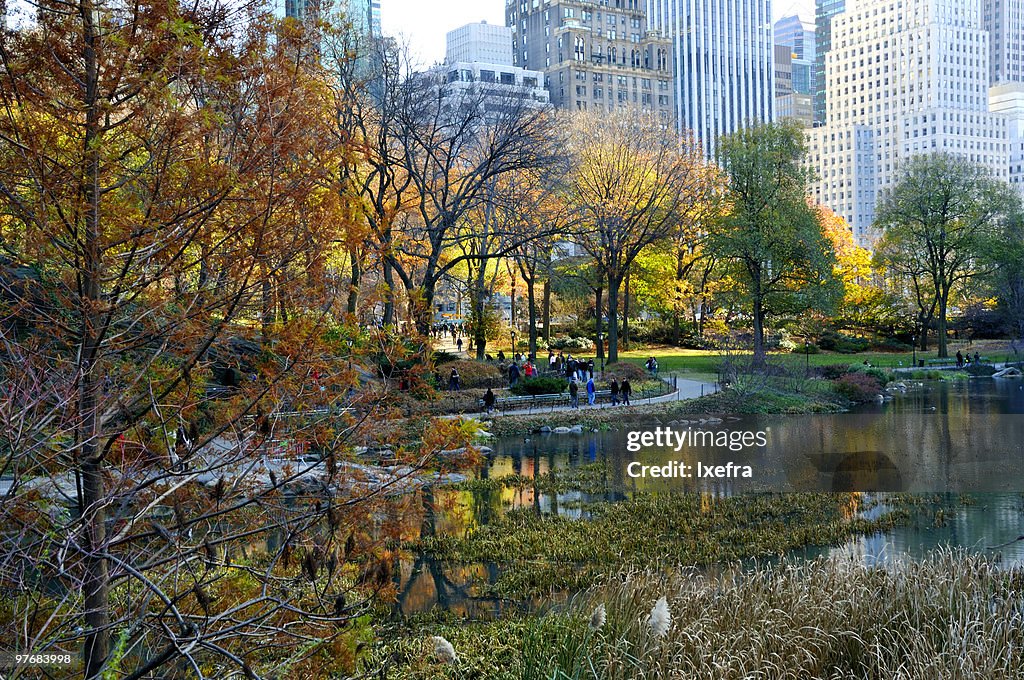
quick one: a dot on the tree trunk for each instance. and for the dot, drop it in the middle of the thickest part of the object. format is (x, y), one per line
(354, 281)
(677, 302)
(597, 314)
(267, 315)
(531, 303)
(625, 316)
(512, 310)
(423, 307)
(96, 577)
(546, 316)
(760, 355)
(480, 328)
(942, 340)
(388, 317)
(924, 322)
(613, 318)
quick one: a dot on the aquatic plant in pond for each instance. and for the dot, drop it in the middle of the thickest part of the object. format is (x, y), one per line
(537, 553)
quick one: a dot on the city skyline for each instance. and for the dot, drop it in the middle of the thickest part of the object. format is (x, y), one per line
(424, 28)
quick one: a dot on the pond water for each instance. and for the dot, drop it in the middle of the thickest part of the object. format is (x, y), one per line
(962, 440)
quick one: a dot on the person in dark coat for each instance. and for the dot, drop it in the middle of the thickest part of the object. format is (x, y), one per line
(489, 400)
(613, 387)
(574, 394)
(513, 374)
(627, 391)
(454, 381)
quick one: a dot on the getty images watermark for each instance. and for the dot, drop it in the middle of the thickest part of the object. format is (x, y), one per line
(677, 440)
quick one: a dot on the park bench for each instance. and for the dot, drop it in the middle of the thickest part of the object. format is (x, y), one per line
(951, 361)
(532, 401)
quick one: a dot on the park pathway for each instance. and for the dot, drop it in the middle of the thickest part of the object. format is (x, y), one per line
(683, 390)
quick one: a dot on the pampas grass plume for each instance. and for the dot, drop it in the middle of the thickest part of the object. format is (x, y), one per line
(597, 618)
(443, 650)
(660, 619)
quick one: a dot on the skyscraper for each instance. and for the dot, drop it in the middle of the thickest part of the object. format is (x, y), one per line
(824, 10)
(480, 42)
(1004, 20)
(793, 33)
(902, 79)
(375, 18)
(363, 14)
(724, 63)
(1008, 99)
(799, 38)
(594, 55)
(478, 62)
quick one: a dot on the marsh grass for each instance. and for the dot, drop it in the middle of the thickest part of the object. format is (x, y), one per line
(541, 553)
(950, 615)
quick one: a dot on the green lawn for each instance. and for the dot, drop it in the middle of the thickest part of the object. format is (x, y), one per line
(703, 364)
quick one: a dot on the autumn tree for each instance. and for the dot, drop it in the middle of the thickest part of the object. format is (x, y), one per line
(864, 303)
(781, 259)
(455, 144)
(631, 184)
(1007, 254)
(370, 100)
(936, 223)
(168, 213)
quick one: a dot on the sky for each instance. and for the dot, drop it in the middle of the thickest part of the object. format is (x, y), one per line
(423, 23)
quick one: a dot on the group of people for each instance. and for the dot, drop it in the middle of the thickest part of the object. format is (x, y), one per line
(618, 392)
(526, 370)
(965, 360)
(568, 365)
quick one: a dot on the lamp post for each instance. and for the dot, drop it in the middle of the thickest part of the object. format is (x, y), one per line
(600, 344)
(913, 340)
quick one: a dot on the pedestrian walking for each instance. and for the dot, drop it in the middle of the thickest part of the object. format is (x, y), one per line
(590, 367)
(613, 387)
(591, 391)
(489, 400)
(627, 391)
(513, 374)
(574, 394)
(454, 381)
(458, 344)
(959, 359)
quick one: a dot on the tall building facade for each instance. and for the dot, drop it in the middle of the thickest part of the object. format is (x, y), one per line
(783, 71)
(478, 59)
(595, 54)
(363, 14)
(375, 28)
(1004, 21)
(480, 42)
(824, 10)
(903, 78)
(799, 38)
(724, 63)
(1008, 99)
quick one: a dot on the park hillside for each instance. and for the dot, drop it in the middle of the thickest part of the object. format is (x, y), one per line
(259, 280)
